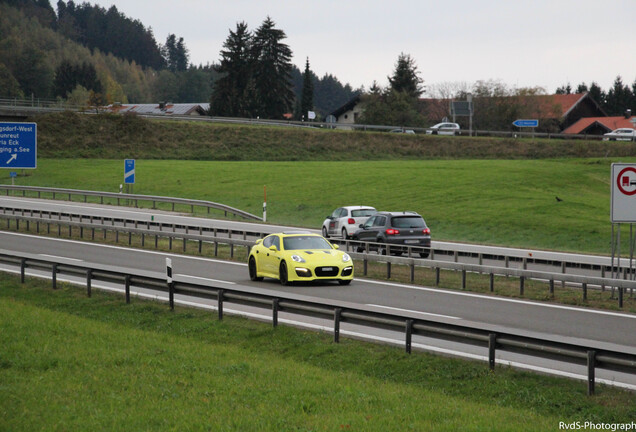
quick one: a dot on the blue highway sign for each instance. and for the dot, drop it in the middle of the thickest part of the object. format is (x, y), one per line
(129, 171)
(18, 145)
(526, 123)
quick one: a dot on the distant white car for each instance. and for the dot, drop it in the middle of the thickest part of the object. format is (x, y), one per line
(444, 129)
(400, 130)
(622, 134)
(344, 221)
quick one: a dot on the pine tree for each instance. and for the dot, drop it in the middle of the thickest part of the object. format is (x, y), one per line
(307, 98)
(272, 71)
(405, 77)
(232, 89)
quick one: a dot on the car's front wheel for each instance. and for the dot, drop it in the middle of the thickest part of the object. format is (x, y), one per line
(252, 268)
(282, 274)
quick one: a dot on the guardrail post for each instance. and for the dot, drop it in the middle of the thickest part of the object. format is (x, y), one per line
(275, 308)
(409, 335)
(127, 281)
(89, 280)
(171, 294)
(219, 299)
(54, 276)
(591, 371)
(22, 269)
(337, 316)
(492, 347)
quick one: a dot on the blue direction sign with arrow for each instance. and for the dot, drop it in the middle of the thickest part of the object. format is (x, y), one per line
(129, 171)
(18, 145)
(526, 123)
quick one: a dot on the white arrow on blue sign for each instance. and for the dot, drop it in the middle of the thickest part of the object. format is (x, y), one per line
(129, 171)
(526, 123)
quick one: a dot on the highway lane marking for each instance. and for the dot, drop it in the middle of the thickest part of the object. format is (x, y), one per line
(415, 311)
(164, 254)
(502, 299)
(354, 334)
(61, 257)
(420, 288)
(206, 279)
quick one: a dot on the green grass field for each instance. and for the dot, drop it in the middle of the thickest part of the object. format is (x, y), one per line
(499, 202)
(68, 362)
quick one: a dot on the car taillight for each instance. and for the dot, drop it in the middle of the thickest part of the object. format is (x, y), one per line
(351, 221)
(426, 230)
(392, 231)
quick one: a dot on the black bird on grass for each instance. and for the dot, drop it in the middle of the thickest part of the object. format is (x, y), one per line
(558, 199)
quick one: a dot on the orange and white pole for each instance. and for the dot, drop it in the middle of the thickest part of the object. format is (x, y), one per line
(264, 203)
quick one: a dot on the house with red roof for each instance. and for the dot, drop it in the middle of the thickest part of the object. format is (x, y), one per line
(601, 125)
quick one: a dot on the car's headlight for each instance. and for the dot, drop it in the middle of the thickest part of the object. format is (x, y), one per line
(346, 258)
(298, 259)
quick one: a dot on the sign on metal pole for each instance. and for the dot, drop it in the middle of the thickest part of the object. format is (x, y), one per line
(129, 171)
(623, 208)
(531, 123)
(18, 145)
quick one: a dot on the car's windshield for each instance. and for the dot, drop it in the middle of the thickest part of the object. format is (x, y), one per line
(363, 212)
(305, 242)
(408, 222)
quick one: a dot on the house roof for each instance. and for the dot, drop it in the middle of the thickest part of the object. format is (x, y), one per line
(347, 106)
(162, 109)
(608, 123)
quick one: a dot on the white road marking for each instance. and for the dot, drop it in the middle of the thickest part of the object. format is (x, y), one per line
(207, 279)
(502, 299)
(61, 257)
(414, 311)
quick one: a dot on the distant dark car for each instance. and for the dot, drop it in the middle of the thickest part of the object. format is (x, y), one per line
(397, 230)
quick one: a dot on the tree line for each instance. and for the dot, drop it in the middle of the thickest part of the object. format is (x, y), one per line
(46, 55)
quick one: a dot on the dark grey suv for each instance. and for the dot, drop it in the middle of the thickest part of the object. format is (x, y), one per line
(397, 230)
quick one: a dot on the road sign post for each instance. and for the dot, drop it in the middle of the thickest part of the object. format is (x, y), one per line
(622, 210)
(18, 145)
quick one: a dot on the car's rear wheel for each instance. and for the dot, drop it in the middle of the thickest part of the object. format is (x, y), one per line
(252, 268)
(282, 274)
(325, 234)
(344, 234)
(424, 254)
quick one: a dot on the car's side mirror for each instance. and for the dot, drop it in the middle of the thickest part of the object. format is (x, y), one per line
(335, 246)
(361, 226)
(273, 248)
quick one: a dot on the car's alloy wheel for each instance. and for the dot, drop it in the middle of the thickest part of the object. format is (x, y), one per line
(282, 274)
(324, 232)
(344, 233)
(252, 268)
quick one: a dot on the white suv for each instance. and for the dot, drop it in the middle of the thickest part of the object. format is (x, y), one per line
(622, 134)
(344, 221)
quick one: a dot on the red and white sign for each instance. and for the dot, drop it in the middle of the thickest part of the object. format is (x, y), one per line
(623, 208)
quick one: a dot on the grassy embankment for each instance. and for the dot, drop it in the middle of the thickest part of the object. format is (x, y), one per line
(488, 190)
(99, 364)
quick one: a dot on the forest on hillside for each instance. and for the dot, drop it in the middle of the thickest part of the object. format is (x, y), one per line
(86, 54)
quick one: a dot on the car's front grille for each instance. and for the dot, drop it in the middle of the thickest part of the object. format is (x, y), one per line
(327, 271)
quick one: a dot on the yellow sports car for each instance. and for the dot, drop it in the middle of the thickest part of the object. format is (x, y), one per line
(299, 256)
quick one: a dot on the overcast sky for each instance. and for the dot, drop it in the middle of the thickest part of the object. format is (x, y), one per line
(545, 43)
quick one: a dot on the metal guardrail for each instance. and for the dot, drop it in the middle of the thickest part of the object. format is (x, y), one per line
(129, 197)
(594, 355)
(522, 274)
